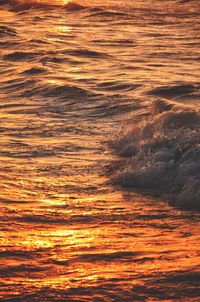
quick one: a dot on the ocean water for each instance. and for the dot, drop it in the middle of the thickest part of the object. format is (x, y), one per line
(99, 151)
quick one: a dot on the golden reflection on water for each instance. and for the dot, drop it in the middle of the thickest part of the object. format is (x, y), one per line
(70, 248)
(61, 217)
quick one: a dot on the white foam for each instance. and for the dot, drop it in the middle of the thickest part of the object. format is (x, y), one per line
(163, 153)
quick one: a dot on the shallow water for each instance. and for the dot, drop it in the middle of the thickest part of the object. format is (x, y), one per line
(80, 221)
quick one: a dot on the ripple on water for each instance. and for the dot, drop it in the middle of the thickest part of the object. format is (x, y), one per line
(74, 79)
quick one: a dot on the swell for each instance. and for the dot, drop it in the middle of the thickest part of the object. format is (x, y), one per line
(163, 153)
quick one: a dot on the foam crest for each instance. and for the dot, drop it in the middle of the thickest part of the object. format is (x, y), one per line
(163, 153)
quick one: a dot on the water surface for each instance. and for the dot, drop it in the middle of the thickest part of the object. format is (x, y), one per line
(92, 209)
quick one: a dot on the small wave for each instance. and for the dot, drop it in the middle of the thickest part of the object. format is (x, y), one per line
(26, 5)
(116, 85)
(35, 71)
(20, 270)
(7, 31)
(174, 281)
(163, 153)
(74, 7)
(171, 91)
(23, 5)
(105, 13)
(84, 53)
(17, 86)
(21, 56)
(92, 9)
(65, 91)
(123, 256)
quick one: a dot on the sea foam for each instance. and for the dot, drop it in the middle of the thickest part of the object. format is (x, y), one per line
(163, 153)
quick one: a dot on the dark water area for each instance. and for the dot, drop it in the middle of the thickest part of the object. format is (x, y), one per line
(99, 151)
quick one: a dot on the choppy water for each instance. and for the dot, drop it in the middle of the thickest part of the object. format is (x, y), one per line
(100, 151)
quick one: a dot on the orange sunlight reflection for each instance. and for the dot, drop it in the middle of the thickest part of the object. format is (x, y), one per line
(72, 85)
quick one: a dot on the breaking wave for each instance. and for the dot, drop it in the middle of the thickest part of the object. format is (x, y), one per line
(163, 153)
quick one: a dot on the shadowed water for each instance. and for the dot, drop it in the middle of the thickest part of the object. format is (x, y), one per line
(99, 151)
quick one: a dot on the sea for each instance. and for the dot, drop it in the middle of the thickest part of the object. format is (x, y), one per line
(99, 151)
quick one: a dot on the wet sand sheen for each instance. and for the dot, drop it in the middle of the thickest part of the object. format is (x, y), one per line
(80, 82)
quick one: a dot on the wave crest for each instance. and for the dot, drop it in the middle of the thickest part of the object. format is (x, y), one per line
(73, 7)
(29, 4)
(163, 153)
